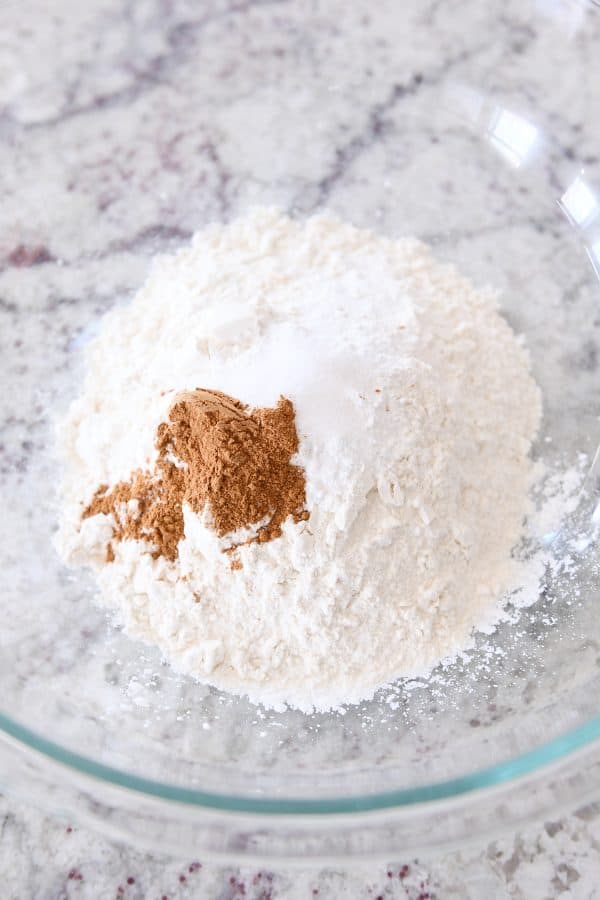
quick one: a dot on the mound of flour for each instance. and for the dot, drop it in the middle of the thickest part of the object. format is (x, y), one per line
(415, 412)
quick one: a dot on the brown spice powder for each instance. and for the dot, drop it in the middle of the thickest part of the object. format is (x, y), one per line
(235, 460)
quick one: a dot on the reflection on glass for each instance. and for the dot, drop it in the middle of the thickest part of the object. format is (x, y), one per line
(579, 202)
(594, 254)
(512, 136)
(569, 14)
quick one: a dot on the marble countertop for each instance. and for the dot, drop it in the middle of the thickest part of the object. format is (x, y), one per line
(42, 859)
(145, 118)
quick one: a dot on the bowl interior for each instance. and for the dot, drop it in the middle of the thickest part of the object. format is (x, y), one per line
(466, 159)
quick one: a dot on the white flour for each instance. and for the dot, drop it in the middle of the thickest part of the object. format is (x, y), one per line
(415, 411)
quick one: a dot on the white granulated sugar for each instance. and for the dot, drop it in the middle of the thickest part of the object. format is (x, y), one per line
(415, 411)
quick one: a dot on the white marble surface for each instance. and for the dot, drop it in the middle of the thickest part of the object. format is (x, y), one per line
(42, 859)
(126, 124)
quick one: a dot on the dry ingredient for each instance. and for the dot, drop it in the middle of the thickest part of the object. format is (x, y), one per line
(405, 432)
(216, 455)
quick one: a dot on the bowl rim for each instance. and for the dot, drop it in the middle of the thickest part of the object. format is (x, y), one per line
(505, 772)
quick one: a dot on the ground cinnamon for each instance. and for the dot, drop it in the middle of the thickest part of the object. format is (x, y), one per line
(213, 451)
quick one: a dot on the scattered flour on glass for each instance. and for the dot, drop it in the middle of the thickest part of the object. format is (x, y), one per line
(415, 411)
(557, 534)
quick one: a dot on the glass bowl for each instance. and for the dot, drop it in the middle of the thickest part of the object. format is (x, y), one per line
(467, 126)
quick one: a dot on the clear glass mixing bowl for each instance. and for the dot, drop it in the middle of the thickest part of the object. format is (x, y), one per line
(468, 127)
